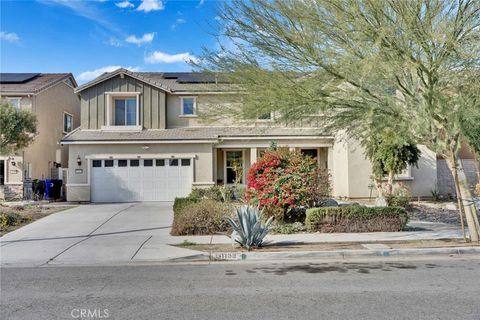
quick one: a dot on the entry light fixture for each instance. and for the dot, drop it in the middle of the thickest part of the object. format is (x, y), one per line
(79, 160)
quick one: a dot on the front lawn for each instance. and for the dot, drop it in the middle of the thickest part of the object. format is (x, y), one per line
(14, 217)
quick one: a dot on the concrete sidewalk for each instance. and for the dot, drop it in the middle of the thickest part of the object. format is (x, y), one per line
(140, 232)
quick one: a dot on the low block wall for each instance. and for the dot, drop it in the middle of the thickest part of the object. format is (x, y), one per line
(445, 185)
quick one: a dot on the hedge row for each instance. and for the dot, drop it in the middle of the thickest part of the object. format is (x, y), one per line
(200, 216)
(181, 203)
(356, 219)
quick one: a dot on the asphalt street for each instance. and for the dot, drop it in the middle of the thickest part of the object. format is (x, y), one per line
(444, 288)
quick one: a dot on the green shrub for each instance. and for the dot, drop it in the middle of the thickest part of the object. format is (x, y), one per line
(286, 179)
(8, 219)
(288, 228)
(278, 213)
(356, 219)
(239, 191)
(181, 203)
(212, 193)
(400, 197)
(201, 217)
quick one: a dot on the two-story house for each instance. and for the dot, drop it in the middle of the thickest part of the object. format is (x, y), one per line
(141, 139)
(52, 98)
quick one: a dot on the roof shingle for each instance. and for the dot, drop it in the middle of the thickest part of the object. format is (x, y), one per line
(35, 84)
(191, 133)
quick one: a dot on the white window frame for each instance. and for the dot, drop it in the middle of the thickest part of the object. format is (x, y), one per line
(111, 96)
(67, 114)
(225, 165)
(182, 114)
(9, 99)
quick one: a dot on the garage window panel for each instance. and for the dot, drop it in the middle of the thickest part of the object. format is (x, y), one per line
(173, 163)
(185, 162)
(96, 163)
(160, 162)
(108, 163)
(147, 162)
(122, 163)
(134, 163)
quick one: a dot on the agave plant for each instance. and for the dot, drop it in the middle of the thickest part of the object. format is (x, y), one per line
(249, 232)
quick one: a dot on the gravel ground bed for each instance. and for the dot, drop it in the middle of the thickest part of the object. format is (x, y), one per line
(444, 212)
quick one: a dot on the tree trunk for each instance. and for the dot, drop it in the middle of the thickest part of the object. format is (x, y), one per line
(464, 199)
(453, 170)
(390, 182)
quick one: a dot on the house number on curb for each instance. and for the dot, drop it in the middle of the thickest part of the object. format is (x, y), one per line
(229, 256)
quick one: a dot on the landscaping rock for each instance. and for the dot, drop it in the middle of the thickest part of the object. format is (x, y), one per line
(434, 212)
(330, 203)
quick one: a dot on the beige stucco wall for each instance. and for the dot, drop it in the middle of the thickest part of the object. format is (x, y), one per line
(49, 106)
(13, 172)
(78, 190)
(217, 104)
(351, 171)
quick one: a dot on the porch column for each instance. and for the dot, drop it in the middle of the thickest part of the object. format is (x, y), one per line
(253, 156)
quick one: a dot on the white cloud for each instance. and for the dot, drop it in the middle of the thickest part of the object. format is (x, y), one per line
(178, 22)
(200, 3)
(114, 42)
(146, 38)
(151, 5)
(125, 4)
(162, 57)
(90, 75)
(9, 36)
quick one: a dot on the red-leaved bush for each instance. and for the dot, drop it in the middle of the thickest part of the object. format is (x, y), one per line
(286, 179)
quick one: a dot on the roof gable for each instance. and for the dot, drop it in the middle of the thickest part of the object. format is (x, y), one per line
(171, 82)
(121, 72)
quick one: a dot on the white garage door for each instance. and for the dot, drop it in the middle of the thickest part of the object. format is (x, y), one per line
(126, 180)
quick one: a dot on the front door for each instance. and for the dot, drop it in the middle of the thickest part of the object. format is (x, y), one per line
(234, 166)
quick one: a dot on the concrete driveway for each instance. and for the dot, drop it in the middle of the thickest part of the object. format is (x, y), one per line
(95, 234)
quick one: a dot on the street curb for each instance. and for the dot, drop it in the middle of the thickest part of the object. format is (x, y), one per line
(337, 254)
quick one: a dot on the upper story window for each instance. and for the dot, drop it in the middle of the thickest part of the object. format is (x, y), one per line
(67, 122)
(125, 112)
(189, 106)
(15, 102)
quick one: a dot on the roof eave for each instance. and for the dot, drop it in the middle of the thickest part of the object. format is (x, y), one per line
(115, 73)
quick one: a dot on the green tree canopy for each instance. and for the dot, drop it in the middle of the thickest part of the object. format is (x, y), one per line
(412, 64)
(17, 129)
(390, 154)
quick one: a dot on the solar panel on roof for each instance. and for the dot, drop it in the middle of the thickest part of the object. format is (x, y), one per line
(16, 77)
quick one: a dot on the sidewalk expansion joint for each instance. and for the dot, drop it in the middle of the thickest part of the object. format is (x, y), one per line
(140, 247)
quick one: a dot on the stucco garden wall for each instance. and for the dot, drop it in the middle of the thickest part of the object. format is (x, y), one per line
(446, 187)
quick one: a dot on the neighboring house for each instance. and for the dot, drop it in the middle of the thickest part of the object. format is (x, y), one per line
(52, 98)
(141, 139)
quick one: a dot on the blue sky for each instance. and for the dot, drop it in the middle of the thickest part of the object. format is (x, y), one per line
(88, 38)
